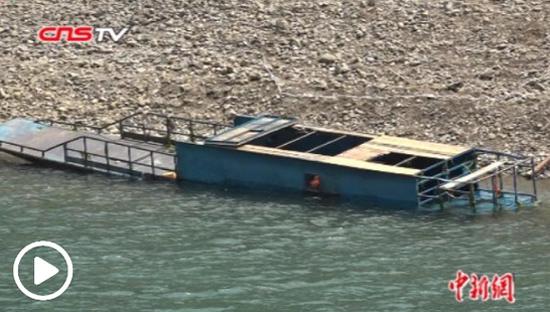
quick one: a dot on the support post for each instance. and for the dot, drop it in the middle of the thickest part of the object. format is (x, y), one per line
(152, 163)
(107, 161)
(534, 177)
(191, 132)
(515, 180)
(121, 130)
(472, 197)
(85, 152)
(447, 177)
(500, 180)
(168, 130)
(130, 163)
(494, 187)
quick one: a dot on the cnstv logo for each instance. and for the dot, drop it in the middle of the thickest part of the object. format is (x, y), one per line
(79, 34)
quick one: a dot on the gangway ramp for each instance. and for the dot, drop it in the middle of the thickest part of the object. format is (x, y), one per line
(96, 152)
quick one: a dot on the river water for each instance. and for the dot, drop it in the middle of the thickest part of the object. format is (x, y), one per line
(151, 246)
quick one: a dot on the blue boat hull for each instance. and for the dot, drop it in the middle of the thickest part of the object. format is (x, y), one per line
(232, 167)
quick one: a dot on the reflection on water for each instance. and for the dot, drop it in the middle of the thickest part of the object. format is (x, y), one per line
(142, 246)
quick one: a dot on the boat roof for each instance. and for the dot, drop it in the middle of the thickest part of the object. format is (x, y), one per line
(382, 153)
(253, 129)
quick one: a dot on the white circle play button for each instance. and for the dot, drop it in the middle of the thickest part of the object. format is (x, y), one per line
(43, 270)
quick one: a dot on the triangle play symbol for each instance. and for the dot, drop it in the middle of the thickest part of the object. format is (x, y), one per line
(43, 271)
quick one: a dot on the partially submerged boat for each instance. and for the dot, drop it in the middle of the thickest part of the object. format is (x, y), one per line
(277, 153)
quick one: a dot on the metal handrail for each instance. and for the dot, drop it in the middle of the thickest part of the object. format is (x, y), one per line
(122, 123)
(427, 178)
(23, 147)
(514, 156)
(134, 162)
(150, 152)
(204, 122)
(167, 132)
(76, 126)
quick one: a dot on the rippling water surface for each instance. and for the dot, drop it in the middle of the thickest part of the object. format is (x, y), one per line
(143, 246)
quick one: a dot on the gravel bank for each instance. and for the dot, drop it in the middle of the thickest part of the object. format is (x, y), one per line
(468, 72)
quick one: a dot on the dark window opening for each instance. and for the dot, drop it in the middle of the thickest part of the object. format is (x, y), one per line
(310, 141)
(405, 160)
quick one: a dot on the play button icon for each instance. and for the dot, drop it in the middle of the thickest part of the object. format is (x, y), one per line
(43, 271)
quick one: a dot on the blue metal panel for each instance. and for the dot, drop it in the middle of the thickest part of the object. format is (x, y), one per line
(224, 166)
(15, 128)
(241, 119)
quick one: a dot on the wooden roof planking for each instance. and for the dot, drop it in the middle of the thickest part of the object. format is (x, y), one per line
(358, 156)
(381, 143)
(335, 160)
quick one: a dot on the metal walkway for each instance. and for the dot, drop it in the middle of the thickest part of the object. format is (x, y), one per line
(143, 147)
(91, 152)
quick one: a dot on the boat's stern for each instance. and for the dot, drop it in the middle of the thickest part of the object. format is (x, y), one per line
(461, 182)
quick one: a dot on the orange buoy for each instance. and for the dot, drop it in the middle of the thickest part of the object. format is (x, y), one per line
(315, 182)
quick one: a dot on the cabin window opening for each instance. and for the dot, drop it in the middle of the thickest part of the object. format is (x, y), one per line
(310, 141)
(405, 160)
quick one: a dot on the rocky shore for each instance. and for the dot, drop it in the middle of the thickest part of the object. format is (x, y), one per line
(471, 72)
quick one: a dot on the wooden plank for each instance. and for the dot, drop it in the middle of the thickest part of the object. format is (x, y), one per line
(457, 183)
(368, 151)
(363, 152)
(333, 160)
(542, 165)
(420, 146)
(351, 133)
(408, 151)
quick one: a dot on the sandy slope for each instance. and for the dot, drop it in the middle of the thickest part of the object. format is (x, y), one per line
(468, 72)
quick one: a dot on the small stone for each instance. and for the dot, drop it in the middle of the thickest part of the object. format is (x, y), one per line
(228, 70)
(485, 76)
(327, 58)
(320, 84)
(455, 86)
(342, 68)
(536, 85)
(254, 76)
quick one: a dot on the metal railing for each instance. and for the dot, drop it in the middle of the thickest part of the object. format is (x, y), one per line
(21, 148)
(168, 129)
(109, 162)
(433, 192)
(76, 126)
(152, 127)
(145, 127)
